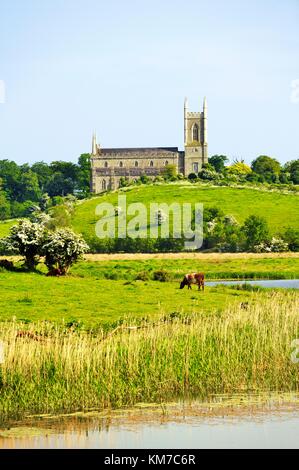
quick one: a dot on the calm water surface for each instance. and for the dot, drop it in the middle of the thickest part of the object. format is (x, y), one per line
(277, 283)
(271, 423)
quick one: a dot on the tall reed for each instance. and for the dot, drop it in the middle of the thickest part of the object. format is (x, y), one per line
(247, 347)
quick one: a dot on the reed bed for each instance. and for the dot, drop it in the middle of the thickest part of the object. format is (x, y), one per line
(48, 368)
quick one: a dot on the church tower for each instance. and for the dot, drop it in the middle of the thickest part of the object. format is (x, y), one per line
(195, 139)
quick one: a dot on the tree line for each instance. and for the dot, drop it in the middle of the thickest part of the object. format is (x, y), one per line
(22, 186)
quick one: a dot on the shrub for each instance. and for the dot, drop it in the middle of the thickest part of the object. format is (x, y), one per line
(27, 238)
(192, 177)
(256, 231)
(209, 174)
(142, 276)
(161, 276)
(169, 172)
(63, 248)
(291, 236)
(275, 245)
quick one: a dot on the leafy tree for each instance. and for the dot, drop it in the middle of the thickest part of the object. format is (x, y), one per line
(62, 249)
(239, 168)
(4, 206)
(29, 187)
(266, 166)
(69, 170)
(293, 169)
(256, 231)
(218, 162)
(27, 238)
(10, 176)
(43, 173)
(291, 236)
(83, 175)
(58, 185)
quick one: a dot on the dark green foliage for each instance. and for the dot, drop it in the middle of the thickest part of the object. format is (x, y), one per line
(218, 162)
(24, 185)
(291, 236)
(161, 276)
(256, 231)
(267, 167)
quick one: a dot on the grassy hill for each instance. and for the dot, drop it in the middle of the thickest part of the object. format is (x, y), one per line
(280, 210)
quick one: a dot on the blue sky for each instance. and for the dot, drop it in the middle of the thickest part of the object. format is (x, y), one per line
(124, 68)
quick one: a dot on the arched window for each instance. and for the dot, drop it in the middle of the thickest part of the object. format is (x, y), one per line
(104, 184)
(151, 163)
(121, 164)
(166, 162)
(106, 164)
(195, 133)
(136, 163)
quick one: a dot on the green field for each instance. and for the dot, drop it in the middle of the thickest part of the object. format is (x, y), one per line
(216, 266)
(98, 292)
(96, 302)
(280, 210)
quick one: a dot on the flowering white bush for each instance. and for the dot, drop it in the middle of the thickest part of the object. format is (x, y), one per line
(276, 245)
(63, 248)
(26, 238)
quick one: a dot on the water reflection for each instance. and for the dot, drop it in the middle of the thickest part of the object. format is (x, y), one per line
(240, 421)
(270, 283)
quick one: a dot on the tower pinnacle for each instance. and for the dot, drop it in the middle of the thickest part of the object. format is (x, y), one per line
(94, 144)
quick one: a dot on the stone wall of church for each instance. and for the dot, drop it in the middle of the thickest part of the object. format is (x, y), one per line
(108, 168)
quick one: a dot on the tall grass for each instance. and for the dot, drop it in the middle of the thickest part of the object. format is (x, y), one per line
(247, 347)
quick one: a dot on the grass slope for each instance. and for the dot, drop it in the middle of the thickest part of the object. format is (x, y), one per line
(94, 301)
(280, 210)
(5, 226)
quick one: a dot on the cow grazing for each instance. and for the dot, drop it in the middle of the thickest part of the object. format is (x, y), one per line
(193, 278)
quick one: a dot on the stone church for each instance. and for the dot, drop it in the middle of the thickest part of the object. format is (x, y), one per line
(108, 165)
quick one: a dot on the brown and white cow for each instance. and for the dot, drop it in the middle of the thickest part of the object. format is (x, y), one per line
(193, 278)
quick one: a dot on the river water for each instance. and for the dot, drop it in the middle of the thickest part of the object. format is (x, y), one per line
(238, 421)
(225, 422)
(277, 283)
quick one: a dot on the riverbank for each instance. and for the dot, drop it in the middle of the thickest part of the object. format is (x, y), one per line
(246, 347)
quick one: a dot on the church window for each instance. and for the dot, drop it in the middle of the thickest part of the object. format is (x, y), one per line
(104, 184)
(195, 167)
(136, 163)
(106, 164)
(195, 133)
(121, 164)
(151, 163)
